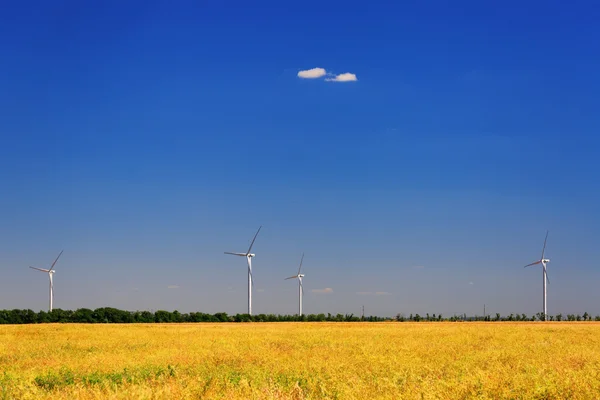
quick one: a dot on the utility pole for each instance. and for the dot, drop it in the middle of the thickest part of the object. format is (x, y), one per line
(363, 312)
(484, 312)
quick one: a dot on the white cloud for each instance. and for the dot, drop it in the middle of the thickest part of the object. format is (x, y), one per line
(312, 73)
(470, 283)
(326, 290)
(346, 77)
(173, 287)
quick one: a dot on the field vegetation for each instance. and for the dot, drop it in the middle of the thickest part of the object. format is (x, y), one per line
(521, 360)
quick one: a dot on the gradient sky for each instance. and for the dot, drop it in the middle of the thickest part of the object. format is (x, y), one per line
(147, 138)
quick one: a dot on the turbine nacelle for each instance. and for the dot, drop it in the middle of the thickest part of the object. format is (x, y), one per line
(250, 255)
(545, 260)
(301, 276)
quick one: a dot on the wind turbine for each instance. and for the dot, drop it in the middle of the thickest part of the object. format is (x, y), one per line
(248, 256)
(299, 276)
(50, 272)
(545, 279)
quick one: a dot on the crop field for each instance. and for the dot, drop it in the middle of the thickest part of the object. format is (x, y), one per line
(301, 361)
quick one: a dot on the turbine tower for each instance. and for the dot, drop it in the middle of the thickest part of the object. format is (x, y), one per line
(248, 256)
(299, 276)
(50, 272)
(545, 279)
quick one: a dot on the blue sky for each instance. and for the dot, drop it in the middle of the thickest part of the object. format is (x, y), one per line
(147, 138)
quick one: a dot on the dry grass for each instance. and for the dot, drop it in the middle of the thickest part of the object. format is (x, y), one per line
(301, 360)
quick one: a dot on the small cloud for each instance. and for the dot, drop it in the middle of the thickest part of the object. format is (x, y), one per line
(312, 73)
(364, 293)
(326, 290)
(382, 294)
(346, 77)
(260, 290)
(470, 283)
(173, 287)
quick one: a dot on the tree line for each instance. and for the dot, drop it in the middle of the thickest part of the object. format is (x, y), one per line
(496, 318)
(113, 315)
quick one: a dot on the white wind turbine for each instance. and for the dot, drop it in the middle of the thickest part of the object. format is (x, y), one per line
(545, 279)
(50, 272)
(248, 256)
(299, 276)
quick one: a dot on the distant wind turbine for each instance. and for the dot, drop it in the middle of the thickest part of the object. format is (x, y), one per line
(299, 276)
(545, 279)
(248, 256)
(50, 272)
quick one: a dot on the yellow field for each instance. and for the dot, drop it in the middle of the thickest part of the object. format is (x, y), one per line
(302, 360)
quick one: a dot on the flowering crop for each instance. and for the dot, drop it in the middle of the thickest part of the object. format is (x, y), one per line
(301, 361)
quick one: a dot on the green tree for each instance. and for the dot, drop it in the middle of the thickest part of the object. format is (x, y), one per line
(28, 316)
(176, 316)
(162, 316)
(222, 317)
(83, 315)
(60, 315)
(540, 316)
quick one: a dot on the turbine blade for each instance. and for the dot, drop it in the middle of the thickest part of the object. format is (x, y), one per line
(546, 275)
(291, 277)
(300, 267)
(252, 244)
(56, 260)
(39, 269)
(235, 254)
(301, 285)
(544, 249)
(535, 263)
